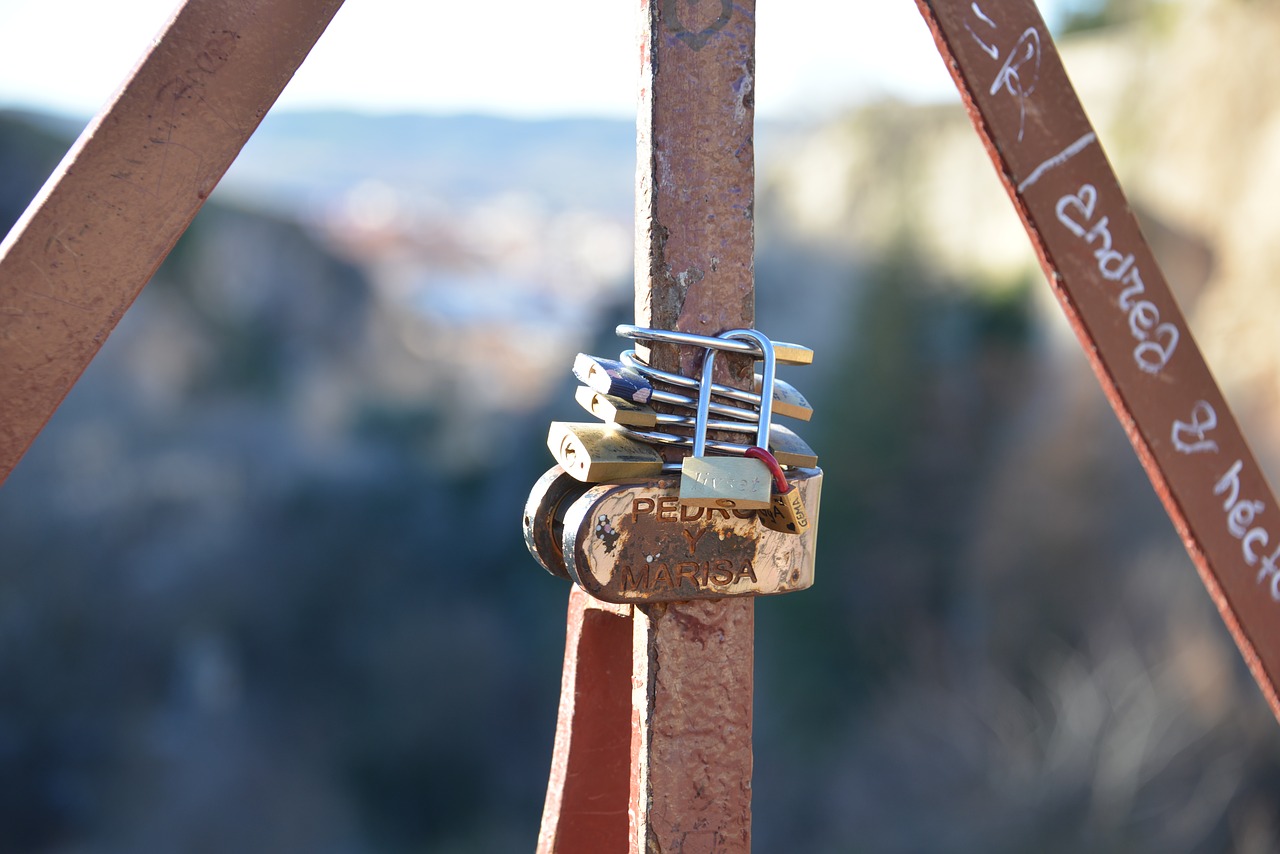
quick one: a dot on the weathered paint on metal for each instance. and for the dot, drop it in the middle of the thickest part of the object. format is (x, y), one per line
(693, 690)
(129, 187)
(1117, 300)
(695, 193)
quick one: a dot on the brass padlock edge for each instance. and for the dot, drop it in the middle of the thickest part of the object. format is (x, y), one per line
(544, 542)
(594, 452)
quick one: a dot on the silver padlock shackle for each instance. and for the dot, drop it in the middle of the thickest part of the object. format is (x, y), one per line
(631, 360)
(768, 373)
(747, 416)
(728, 426)
(655, 437)
(766, 390)
(671, 336)
(784, 353)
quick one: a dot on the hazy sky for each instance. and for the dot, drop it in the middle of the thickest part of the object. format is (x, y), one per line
(507, 56)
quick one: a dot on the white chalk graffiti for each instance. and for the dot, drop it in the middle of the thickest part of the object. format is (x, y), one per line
(1156, 341)
(1203, 419)
(1241, 514)
(1020, 71)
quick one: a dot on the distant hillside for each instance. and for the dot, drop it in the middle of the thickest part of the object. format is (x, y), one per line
(566, 162)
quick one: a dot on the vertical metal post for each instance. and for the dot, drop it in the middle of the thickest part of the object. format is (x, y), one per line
(129, 187)
(692, 683)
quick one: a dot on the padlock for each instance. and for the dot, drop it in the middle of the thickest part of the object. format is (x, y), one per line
(608, 376)
(790, 449)
(729, 482)
(634, 542)
(787, 399)
(787, 514)
(597, 452)
(615, 410)
(784, 353)
(544, 518)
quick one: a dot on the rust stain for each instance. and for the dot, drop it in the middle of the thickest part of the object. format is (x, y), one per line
(634, 542)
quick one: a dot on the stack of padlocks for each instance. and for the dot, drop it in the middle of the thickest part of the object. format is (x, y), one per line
(730, 519)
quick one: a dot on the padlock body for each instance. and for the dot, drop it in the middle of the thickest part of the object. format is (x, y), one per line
(788, 513)
(543, 519)
(787, 399)
(593, 453)
(615, 410)
(634, 542)
(734, 483)
(609, 376)
(789, 449)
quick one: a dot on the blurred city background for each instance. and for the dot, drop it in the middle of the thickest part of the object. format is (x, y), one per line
(262, 585)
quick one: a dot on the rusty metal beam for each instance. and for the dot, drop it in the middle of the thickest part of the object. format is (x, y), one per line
(1117, 300)
(129, 187)
(691, 739)
(588, 793)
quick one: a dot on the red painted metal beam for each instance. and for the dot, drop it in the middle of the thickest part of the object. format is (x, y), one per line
(129, 187)
(588, 792)
(1117, 300)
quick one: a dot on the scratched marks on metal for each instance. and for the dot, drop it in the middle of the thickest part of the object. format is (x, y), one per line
(685, 25)
(634, 542)
(1121, 308)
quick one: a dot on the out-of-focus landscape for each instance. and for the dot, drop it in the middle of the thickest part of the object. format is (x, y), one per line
(263, 587)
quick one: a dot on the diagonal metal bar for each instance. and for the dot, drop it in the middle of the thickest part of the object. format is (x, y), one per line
(129, 187)
(587, 793)
(1116, 298)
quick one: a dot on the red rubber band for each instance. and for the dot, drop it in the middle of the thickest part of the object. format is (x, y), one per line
(779, 476)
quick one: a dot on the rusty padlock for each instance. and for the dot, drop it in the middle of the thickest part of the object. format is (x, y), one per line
(633, 542)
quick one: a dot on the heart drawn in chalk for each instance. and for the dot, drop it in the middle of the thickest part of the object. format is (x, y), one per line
(696, 40)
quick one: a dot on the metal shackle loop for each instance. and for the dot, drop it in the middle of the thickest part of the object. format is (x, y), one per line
(632, 360)
(767, 375)
(766, 396)
(671, 336)
(703, 412)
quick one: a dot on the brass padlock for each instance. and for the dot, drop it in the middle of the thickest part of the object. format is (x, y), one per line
(788, 514)
(790, 449)
(543, 521)
(608, 376)
(597, 452)
(634, 542)
(787, 399)
(730, 482)
(615, 410)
